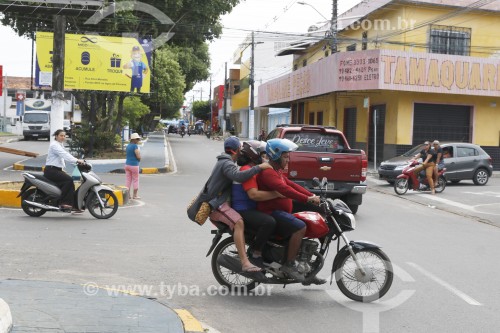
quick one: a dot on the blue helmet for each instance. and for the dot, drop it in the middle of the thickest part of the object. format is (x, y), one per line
(276, 147)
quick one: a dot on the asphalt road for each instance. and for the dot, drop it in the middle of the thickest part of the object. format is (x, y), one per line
(445, 262)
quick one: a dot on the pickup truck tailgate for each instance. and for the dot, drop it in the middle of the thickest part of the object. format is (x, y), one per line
(342, 166)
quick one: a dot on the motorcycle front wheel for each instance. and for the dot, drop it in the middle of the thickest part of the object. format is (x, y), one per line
(107, 209)
(225, 276)
(401, 185)
(36, 196)
(367, 287)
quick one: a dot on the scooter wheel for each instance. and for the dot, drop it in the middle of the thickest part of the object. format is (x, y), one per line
(105, 210)
(35, 196)
(401, 186)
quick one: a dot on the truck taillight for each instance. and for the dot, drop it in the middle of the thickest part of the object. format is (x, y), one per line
(364, 166)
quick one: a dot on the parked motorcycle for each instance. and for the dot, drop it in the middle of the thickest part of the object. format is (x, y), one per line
(40, 195)
(362, 270)
(407, 180)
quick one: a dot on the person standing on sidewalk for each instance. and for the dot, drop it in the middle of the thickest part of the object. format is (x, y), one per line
(132, 165)
(54, 166)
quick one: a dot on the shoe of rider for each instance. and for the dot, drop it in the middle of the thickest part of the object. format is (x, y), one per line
(290, 268)
(315, 280)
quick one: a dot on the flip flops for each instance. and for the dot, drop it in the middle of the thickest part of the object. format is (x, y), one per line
(251, 269)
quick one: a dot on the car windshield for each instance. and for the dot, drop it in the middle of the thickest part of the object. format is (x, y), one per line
(414, 151)
(36, 118)
(316, 141)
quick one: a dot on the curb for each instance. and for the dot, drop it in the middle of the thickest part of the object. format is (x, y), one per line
(5, 317)
(9, 199)
(145, 170)
(190, 323)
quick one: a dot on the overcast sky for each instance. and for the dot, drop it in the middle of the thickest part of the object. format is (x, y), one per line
(265, 15)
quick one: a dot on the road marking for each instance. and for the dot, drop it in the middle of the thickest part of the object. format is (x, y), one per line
(488, 194)
(446, 285)
(448, 202)
(456, 204)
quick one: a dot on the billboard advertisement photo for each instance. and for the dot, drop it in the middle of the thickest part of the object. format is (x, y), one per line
(93, 62)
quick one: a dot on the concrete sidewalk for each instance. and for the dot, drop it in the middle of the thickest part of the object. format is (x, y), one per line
(56, 307)
(154, 152)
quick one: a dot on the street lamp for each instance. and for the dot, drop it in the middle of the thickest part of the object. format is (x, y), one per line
(308, 4)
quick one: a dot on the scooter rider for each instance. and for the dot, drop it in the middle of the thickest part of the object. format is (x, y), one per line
(54, 166)
(281, 208)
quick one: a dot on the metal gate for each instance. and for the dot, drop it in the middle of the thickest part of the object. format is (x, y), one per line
(441, 122)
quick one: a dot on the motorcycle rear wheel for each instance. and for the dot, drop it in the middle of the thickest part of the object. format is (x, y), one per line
(441, 185)
(225, 276)
(371, 286)
(94, 206)
(401, 186)
(36, 196)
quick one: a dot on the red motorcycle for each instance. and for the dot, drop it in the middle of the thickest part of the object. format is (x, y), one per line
(362, 270)
(407, 180)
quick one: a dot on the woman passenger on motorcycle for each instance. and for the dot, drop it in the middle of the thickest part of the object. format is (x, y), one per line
(54, 166)
(280, 208)
(429, 161)
(244, 196)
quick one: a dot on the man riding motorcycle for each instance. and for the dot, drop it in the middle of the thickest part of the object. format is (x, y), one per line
(280, 208)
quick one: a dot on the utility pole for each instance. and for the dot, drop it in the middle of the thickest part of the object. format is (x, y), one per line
(226, 87)
(57, 110)
(251, 112)
(210, 103)
(333, 27)
(5, 95)
(252, 74)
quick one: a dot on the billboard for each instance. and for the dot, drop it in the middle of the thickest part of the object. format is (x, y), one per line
(93, 62)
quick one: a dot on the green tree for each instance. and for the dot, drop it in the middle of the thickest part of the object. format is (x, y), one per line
(201, 110)
(168, 83)
(195, 23)
(133, 111)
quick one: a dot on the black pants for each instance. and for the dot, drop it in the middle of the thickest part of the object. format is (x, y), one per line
(65, 183)
(261, 223)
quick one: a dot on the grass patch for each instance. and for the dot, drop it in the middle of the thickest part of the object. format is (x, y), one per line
(110, 154)
(6, 134)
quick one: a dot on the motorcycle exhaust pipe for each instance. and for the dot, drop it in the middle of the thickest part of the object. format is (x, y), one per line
(42, 206)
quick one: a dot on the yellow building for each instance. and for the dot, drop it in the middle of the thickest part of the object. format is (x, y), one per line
(405, 72)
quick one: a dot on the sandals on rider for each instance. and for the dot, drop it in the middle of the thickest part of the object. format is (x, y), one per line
(251, 269)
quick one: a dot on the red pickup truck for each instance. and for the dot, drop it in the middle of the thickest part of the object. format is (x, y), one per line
(324, 152)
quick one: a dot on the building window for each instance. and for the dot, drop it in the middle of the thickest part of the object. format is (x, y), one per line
(304, 63)
(449, 40)
(364, 41)
(351, 47)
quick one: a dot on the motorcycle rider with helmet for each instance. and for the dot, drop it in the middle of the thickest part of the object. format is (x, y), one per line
(244, 198)
(280, 208)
